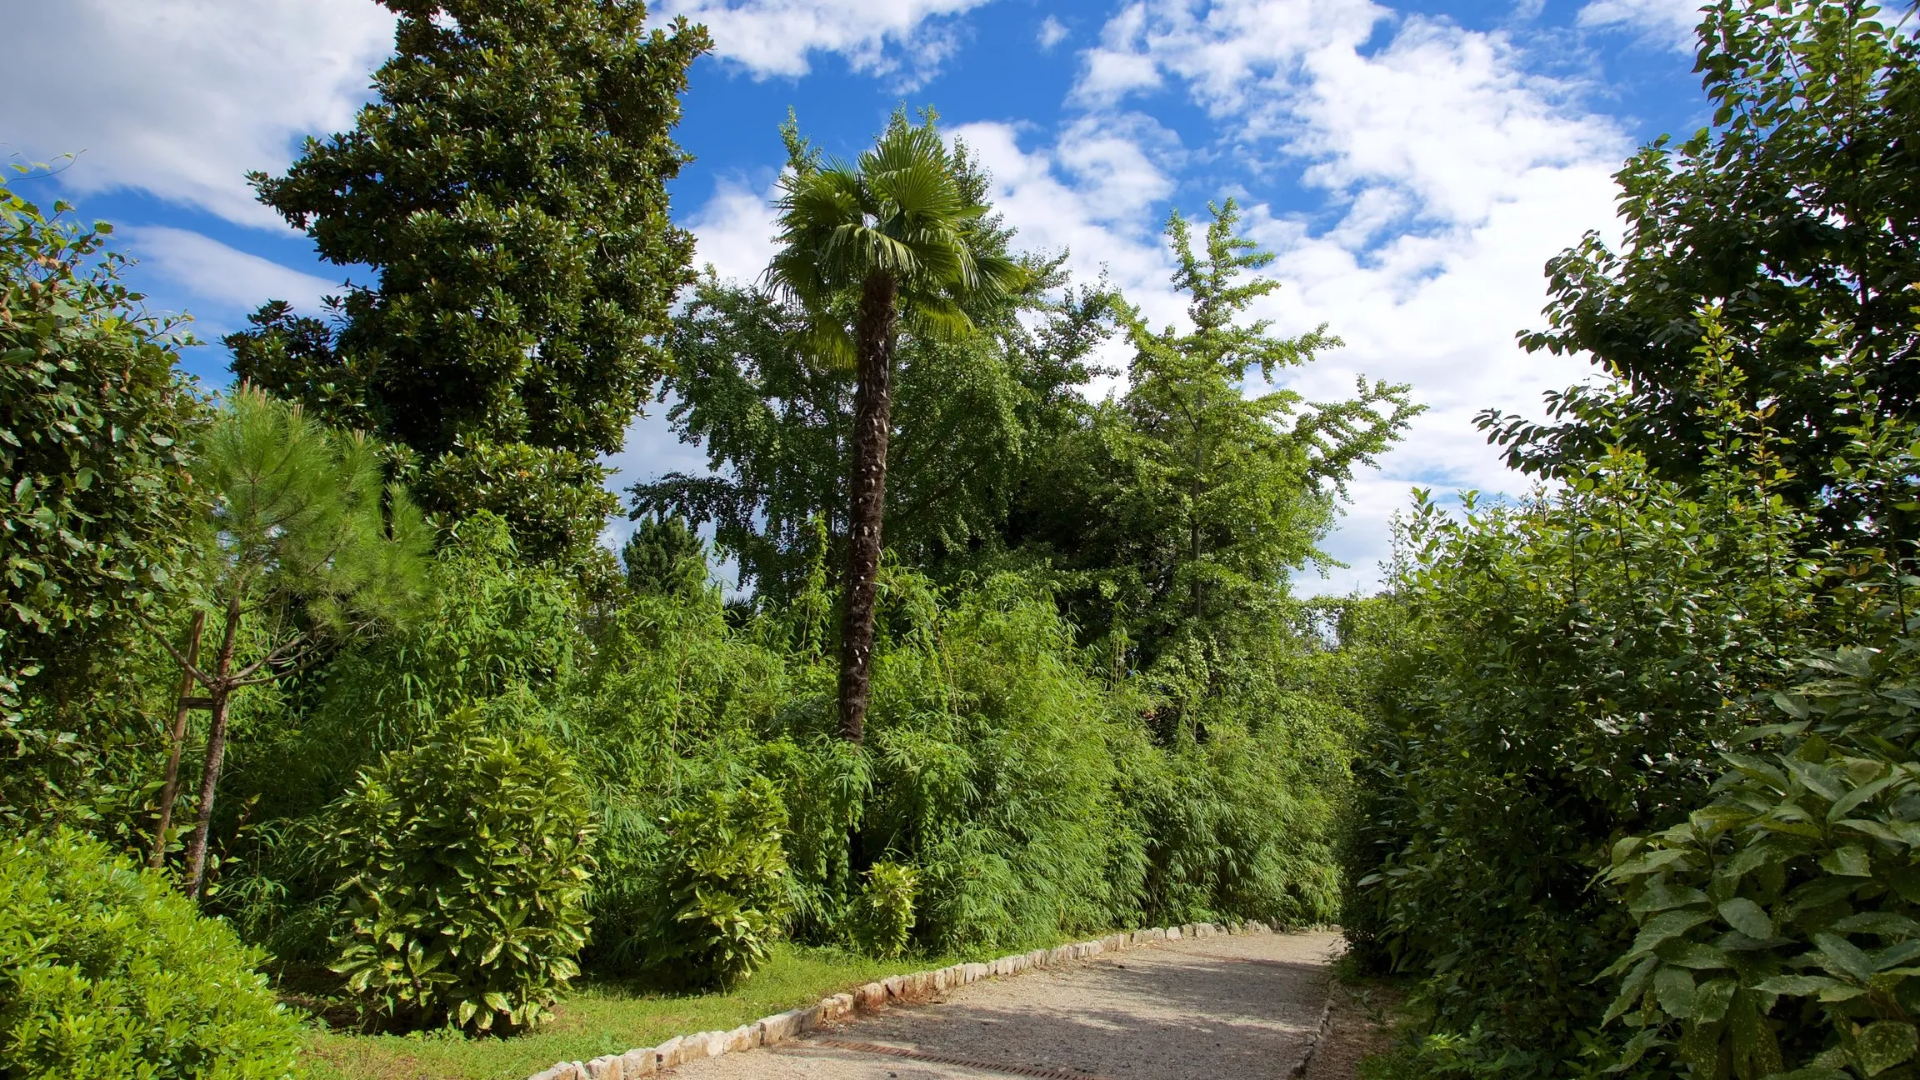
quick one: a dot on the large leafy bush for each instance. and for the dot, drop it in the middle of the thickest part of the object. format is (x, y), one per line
(1566, 667)
(94, 423)
(105, 970)
(728, 891)
(882, 921)
(1777, 925)
(468, 861)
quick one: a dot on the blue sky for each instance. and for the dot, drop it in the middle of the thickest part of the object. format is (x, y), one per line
(1412, 165)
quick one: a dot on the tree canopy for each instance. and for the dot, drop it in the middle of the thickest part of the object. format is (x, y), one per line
(1794, 213)
(508, 189)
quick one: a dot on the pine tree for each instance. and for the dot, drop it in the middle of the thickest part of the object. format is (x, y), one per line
(303, 546)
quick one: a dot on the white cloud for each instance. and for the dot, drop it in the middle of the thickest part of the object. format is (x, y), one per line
(207, 269)
(1452, 174)
(1052, 32)
(733, 231)
(778, 37)
(1670, 22)
(1094, 195)
(180, 98)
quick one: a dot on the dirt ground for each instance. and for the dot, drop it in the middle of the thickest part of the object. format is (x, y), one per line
(1218, 1008)
(1360, 1026)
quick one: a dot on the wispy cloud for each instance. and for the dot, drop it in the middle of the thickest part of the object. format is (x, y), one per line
(909, 38)
(180, 98)
(1450, 171)
(1052, 32)
(209, 270)
(1668, 22)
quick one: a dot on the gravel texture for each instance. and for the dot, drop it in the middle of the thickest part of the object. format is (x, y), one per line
(1214, 1008)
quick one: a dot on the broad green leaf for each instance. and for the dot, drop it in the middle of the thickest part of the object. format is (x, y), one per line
(1844, 957)
(1747, 917)
(1848, 861)
(1881, 1046)
(1673, 989)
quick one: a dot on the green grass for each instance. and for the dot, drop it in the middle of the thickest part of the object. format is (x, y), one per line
(604, 1019)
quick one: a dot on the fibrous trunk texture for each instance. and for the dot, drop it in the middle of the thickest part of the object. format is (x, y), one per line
(872, 421)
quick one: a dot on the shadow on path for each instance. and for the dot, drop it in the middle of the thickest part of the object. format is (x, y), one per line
(1226, 1008)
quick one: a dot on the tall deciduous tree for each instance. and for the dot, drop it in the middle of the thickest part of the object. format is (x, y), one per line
(1796, 213)
(1181, 508)
(304, 545)
(508, 188)
(897, 231)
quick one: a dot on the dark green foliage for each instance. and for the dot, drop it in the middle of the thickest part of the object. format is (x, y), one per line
(1566, 666)
(494, 629)
(1796, 210)
(971, 415)
(303, 547)
(993, 766)
(1576, 677)
(1024, 795)
(1777, 923)
(93, 430)
(1561, 810)
(1777, 919)
(106, 971)
(494, 626)
(664, 555)
(508, 186)
(881, 923)
(727, 893)
(93, 426)
(466, 863)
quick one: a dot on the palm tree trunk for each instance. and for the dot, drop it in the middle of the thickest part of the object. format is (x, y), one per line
(221, 693)
(872, 422)
(171, 789)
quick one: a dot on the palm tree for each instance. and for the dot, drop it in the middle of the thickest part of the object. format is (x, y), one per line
(893, 232)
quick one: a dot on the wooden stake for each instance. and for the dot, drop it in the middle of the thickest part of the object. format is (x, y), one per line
(179, 736)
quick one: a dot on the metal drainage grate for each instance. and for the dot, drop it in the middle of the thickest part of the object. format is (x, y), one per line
(965, 1063)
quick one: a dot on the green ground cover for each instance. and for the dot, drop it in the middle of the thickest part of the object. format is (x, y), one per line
(607, 1018)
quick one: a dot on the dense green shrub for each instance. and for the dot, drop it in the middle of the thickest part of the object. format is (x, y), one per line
(992, 767)
(1566, 667)
(728, 891)
(882, 917)
(105, 970)
(1777, 925)
(467, 861)
(94, 422)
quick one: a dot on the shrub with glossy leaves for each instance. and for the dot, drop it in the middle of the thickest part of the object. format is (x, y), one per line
(882, 921)
(467, 861)
(1777, 925)
(94, 422)
(728, 891)
(105, 970)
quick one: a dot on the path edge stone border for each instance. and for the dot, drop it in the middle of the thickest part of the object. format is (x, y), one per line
(872, 997)
(1305, 1060)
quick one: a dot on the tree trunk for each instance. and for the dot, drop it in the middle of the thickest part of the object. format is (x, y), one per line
(872, 422)
(171, 790)
(221, 692)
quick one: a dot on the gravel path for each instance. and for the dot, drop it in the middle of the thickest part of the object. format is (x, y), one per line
(1216, 1008)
